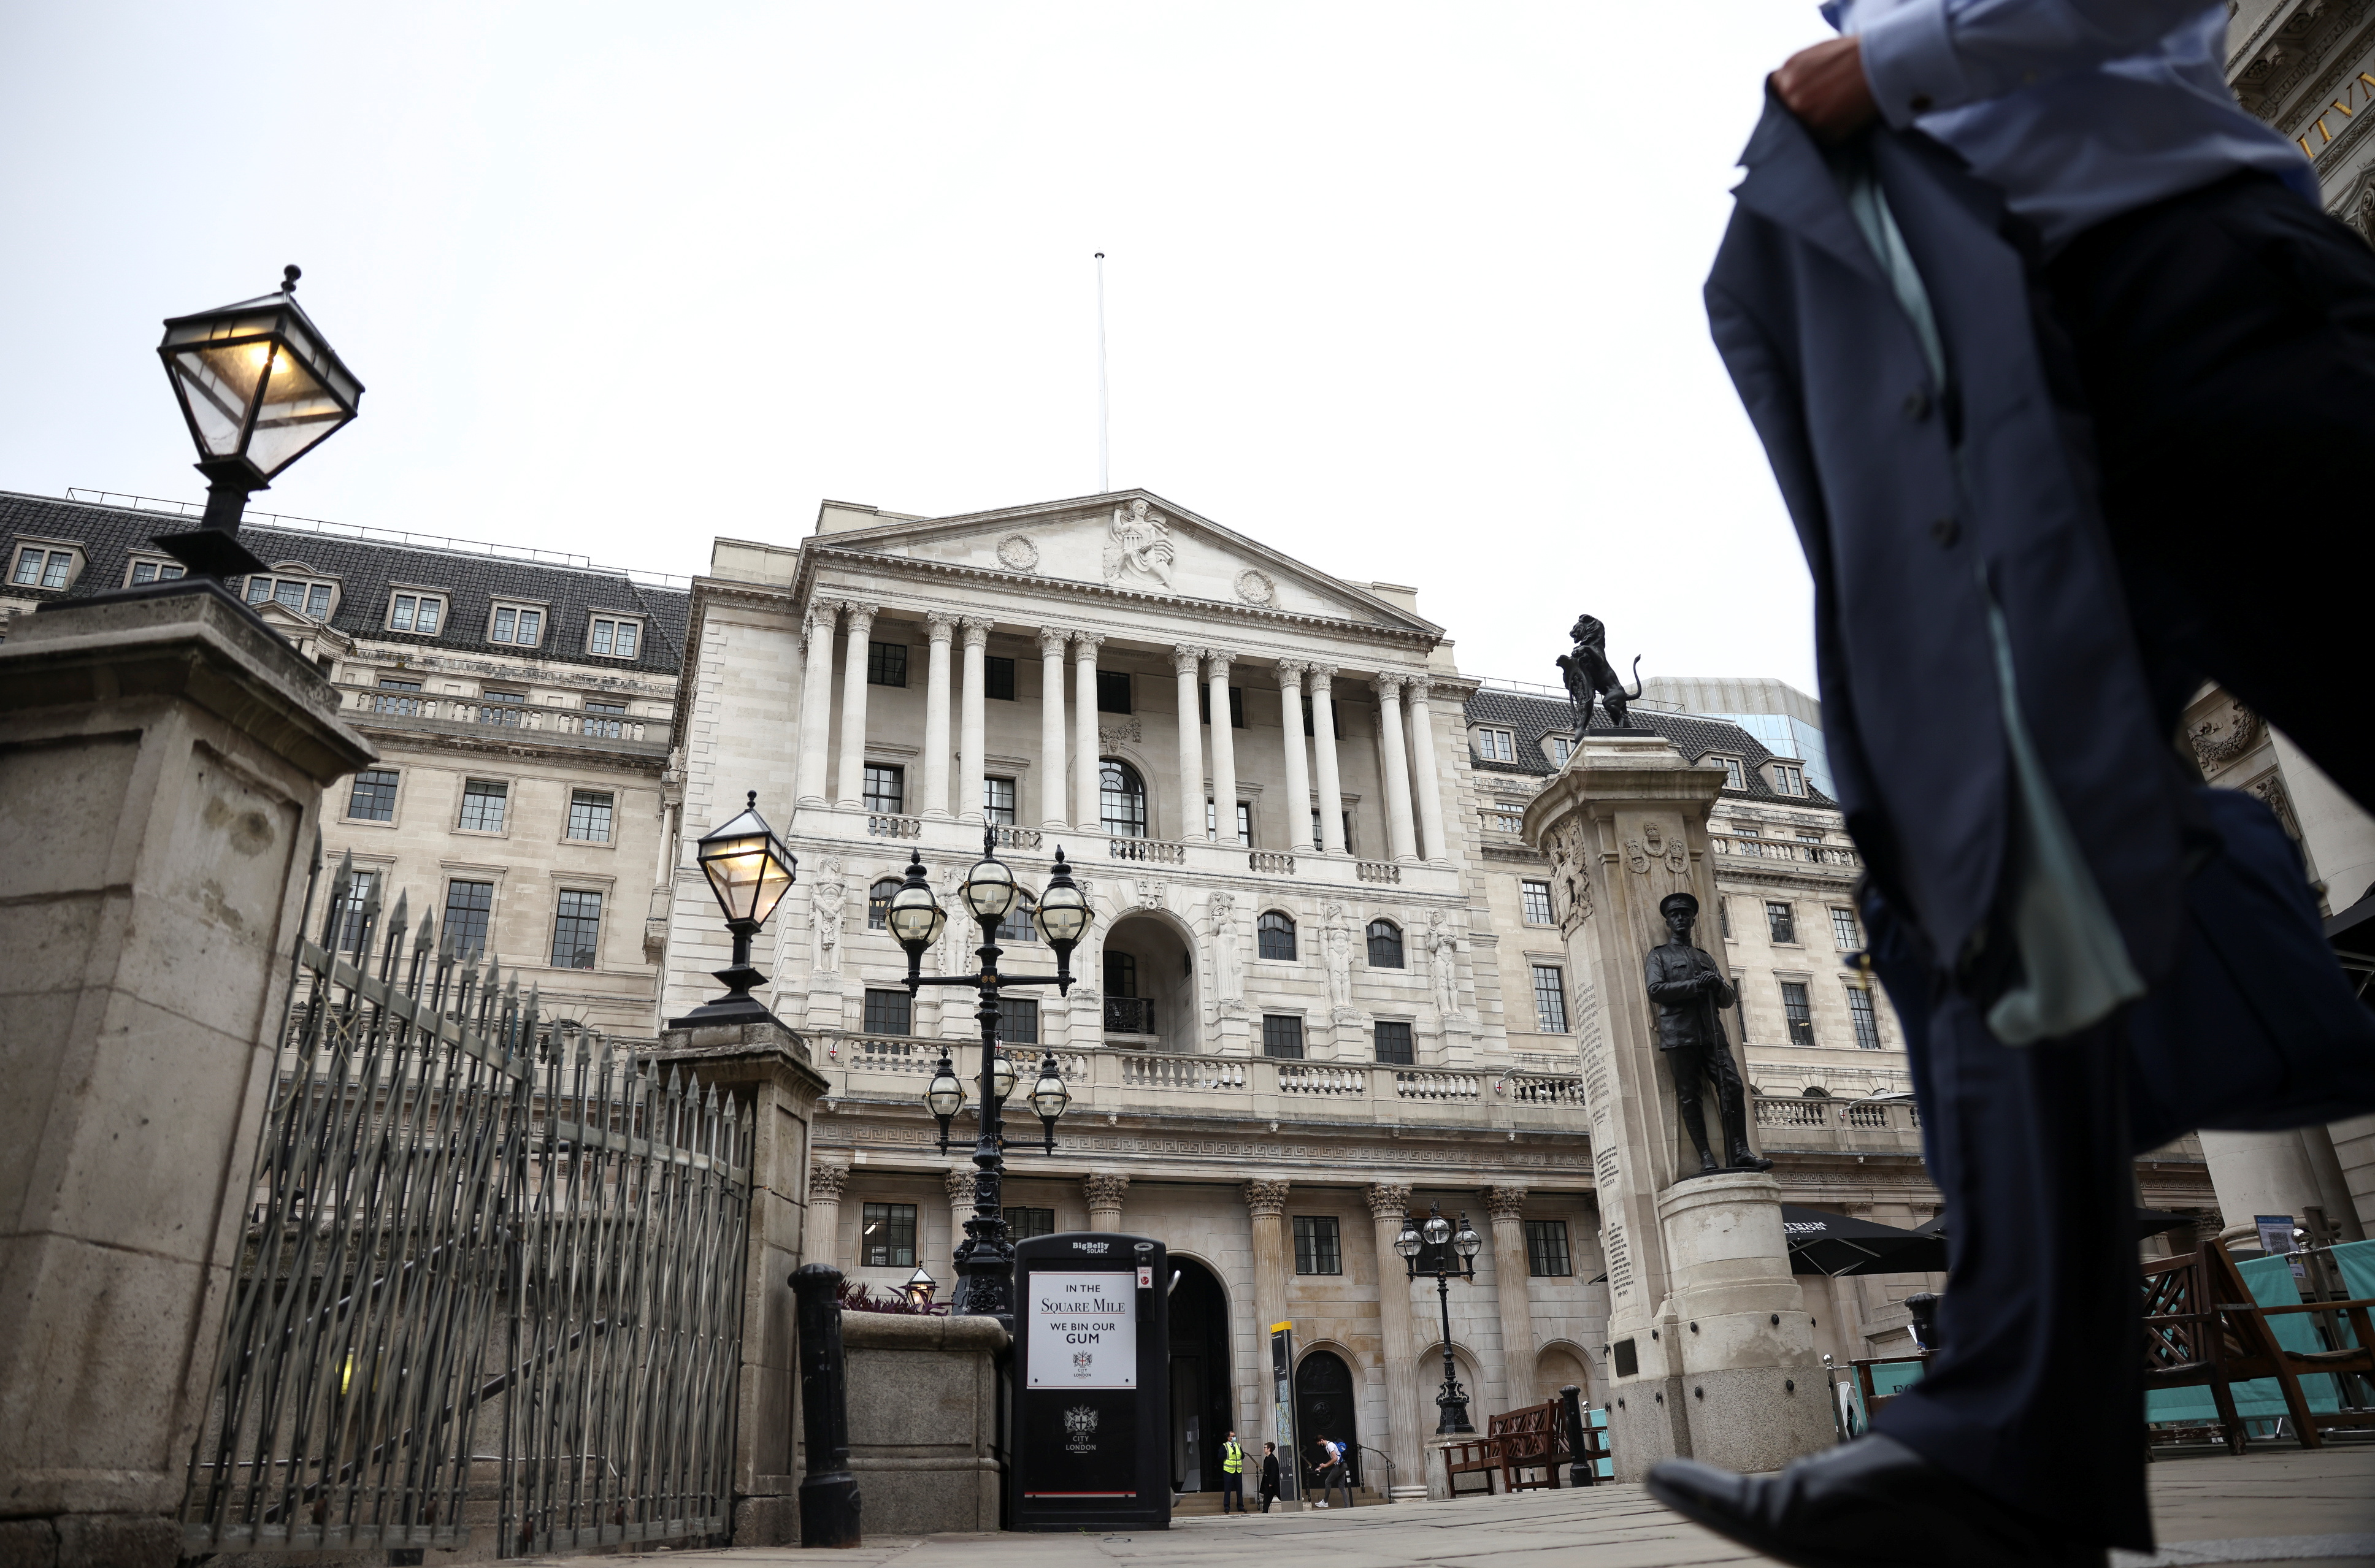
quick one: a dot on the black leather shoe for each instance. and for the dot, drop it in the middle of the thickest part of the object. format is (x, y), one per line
(1742, 1158)
(1868, 1503)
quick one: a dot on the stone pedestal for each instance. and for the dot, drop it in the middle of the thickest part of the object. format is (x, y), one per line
(1711, 1350)
(767, 1068)
(161, 769)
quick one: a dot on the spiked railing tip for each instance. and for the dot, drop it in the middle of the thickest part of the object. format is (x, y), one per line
(426, 938)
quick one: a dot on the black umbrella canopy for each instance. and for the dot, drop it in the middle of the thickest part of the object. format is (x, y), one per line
(2149, 1223)
(1836, 1244)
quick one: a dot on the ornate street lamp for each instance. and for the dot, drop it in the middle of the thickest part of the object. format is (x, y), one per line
(750, 871)
(919, 1288)
(1465, 1244)
(984, 1262)
(260, 387)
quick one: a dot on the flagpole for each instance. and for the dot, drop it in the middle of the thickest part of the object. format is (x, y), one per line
(1104, 462)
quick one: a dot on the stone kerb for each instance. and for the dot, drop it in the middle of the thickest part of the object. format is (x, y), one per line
(923, 1420)
(769, 1067)
(162, 768)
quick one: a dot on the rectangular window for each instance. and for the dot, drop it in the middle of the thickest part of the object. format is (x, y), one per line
(589, 815)
(1780, 924)
(1843, 930)
(604, 721)
(400, 611)
(395, 697)
(521, 627)
(1558, 749)
(467, 908)
(1859, 1013)
(1236, 705)
(887, 1235)
(350, 912)
(886, 788)
(1335, 718)
(1245, 821)
(1546, 1253)
(317, 601)
(1393, 1038)
(998, 801)
(292, 594)
(373, 798)
(1025, 1223)
(576, 929)
(1789, 780)
(1496, 746)
(613, 638)
(1550, 999)
(484, 803)
(1798, 1012)
(1734, 775)
(1724, 916)
(416, 613)
(61, 565)
(1017, 1023)
(1283, 1036)
(1318, 1248)
(889, 1012)
(156, 571)
(886, 664)
(28, 567)
(1112, 692)
(1536, 899)
(997, 677)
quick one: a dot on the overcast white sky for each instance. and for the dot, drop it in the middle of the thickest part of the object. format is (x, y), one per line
(1410, 292)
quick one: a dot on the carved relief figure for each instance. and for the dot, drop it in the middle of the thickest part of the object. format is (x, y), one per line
(1227, 984)
(1587, 674)
(1443, 958)
(1336, 950)
(1570, 877)
(825, 899)
(1140, 545)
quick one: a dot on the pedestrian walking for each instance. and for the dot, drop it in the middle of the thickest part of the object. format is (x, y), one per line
(1332, 1473)
(1233, 1475)
(1269, 1475)
(2030, 317)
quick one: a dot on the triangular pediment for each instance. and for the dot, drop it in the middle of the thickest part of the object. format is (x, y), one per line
(1136, 541)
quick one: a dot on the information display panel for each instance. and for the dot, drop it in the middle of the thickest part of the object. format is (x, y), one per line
(1092, 1419)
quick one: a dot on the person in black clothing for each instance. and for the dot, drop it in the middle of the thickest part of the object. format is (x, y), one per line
(1269, 1475)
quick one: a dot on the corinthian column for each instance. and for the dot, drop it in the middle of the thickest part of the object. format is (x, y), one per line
(1512, 1288)
(1424, 775)
(821, 1232)
(1225, 748)
(958, 1183)
(816, 701)
(1104, 1190)
(1323, 747)
(1051, 727)
(1266, 1202)
(1389, 1205)
(942, 631)
(1298, 778)
(1394, 763)
(970, 728)
(1184, 661)
(1088, 813)
(851, 791)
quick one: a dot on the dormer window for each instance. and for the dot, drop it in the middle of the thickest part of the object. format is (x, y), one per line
(1787, 778)
(305, 596)
(1497, 745)
(41, 566)
(1558, 747)
(1734, 775)
(420, 614)
(613, 637)
(522, 626)
(142, 569)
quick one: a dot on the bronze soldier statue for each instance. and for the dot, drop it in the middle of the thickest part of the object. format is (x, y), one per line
(1689, 990)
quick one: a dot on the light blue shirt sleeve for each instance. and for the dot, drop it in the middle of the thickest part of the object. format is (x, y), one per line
(1936, 55)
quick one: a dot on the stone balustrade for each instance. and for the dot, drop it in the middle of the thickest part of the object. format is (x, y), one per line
(1803, 851)
(1147, 852)
(1377, 871)
(1271, 862)
(881, 826)
(1105, 1079)
(450, 715)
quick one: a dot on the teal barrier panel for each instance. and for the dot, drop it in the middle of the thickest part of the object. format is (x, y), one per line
(2270, 1280)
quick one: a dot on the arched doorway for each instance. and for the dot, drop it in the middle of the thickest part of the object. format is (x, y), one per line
(1558, 1367)
(1150, 981)
(1201, 1406)
(1326, 1405)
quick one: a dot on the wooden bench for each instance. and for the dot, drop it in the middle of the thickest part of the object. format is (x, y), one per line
(1515, 1442)
(2201, 1328)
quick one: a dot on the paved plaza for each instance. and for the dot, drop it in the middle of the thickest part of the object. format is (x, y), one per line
(2275, 1506)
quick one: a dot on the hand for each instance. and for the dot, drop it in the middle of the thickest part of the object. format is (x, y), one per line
(1825, 87)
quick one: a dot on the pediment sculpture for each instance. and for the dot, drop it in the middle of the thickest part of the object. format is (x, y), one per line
(1139, 545)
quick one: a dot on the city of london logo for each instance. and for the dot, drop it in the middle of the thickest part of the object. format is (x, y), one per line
(1080, 1430)
(1081, 1360)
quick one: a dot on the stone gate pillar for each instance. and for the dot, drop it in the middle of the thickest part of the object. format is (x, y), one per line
(162, 768)
(1711, 1352)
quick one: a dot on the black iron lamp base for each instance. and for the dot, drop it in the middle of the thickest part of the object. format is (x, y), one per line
(209, 552)
(736, 1007)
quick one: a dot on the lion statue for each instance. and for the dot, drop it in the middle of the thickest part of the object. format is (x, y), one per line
(1588, 674)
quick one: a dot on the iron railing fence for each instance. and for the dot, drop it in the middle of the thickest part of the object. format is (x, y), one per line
(492, 1274)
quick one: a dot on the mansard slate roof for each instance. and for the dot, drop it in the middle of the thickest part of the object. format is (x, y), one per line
(364, 569)
(1532, 718)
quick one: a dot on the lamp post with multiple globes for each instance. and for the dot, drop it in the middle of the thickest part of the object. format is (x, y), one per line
(1452, 1402)
(984, 1262)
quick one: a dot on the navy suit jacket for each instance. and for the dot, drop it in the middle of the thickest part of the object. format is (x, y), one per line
(1905, 549)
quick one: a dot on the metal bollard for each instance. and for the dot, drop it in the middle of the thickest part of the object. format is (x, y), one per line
(1585, 1469)
(828, 1493)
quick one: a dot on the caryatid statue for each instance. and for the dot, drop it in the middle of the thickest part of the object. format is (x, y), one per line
(1689, 992)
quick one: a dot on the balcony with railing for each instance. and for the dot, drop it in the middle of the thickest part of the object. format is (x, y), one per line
(1105, 1080)
(1801, 854)
(375, 706)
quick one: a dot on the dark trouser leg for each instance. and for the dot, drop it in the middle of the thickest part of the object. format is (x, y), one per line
(1731, 1101)
(2036, 1397)
(1688, 1069)
(2224, 341)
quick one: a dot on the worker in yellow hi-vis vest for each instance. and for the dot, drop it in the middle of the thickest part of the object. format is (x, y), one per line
(1233, 1474)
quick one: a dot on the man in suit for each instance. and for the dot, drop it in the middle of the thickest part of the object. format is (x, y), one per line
(2029, 316)
(1690, 992)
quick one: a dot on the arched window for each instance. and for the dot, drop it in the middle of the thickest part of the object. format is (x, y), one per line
(1018, 925)
(1385, 945)
(1123, 796)
(1275, 934)
(878, 903)
(1814, 1091)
